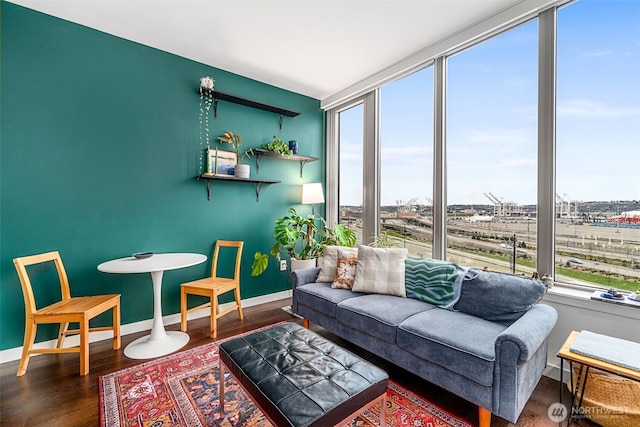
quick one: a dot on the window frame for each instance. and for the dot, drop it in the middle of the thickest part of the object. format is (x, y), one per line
(546, 138)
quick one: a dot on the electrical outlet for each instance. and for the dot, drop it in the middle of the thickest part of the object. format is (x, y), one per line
(283, 264)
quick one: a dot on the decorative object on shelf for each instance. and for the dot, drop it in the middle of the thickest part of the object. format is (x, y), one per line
(277, 146)
(242, 170)
(293, 146)
(311, 194)
(206, 82)
(302, 239)
(206, 99)
(220, 161)
(235, 140)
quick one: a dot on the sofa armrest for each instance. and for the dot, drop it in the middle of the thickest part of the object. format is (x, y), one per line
(304, 276)
(530, 331)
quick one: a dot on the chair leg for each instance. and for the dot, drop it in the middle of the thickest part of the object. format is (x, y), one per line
(236, 292)
(62, 333)
(84, 346)
(183, 310)
(214, 315)
(116, 326)
(29, 338)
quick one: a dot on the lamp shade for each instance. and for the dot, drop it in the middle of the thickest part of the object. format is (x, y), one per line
(312, 193)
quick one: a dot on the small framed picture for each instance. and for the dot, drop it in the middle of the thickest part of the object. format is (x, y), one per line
(221, 162)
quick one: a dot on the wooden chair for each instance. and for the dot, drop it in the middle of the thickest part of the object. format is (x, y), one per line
(212, 287)
(68, 310)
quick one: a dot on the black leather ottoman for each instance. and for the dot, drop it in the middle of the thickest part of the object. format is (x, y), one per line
(298, 378)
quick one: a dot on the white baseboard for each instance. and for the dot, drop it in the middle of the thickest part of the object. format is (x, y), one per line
(15, 353)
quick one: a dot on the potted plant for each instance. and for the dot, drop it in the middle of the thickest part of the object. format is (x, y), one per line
(302, 238)
(278, 146)
(235, 140)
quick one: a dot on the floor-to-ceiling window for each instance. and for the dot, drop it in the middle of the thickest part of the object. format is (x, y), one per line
(406, 163)
(598, 144)
(503, 109)
(491, 140)
(351, 137)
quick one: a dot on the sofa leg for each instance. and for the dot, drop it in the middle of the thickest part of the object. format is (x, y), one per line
(305, 323)
(484, 417)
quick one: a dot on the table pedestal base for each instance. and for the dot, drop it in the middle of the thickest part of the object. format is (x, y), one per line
(146, 348)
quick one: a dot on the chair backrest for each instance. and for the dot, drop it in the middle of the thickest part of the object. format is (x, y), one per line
(27, 290)
(230, 244)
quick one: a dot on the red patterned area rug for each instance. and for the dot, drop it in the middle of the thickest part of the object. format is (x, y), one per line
(182, 390)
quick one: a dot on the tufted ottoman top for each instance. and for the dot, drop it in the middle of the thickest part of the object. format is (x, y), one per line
(299, 378)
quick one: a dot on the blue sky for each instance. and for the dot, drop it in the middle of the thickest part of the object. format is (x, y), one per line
(491, 116)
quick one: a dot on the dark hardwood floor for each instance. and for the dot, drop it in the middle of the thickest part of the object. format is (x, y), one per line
(52, 393)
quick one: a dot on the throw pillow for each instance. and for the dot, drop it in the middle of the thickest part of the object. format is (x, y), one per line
(380, 271)
(498, 297)
(345, 270)
(433, 281)
(328, 271)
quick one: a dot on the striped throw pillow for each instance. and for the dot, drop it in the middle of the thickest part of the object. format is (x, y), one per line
(433, 281)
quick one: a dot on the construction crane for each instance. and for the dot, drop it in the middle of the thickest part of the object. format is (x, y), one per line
(498, 206)
(404, 208)
(566, 200)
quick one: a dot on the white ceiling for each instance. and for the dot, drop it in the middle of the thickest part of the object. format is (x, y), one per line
(313, 47)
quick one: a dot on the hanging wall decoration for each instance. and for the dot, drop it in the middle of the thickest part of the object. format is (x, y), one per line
(206, 99)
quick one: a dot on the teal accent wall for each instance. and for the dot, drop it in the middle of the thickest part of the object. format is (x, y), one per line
(99, 152)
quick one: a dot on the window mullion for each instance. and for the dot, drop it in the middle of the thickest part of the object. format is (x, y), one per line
(546, 142)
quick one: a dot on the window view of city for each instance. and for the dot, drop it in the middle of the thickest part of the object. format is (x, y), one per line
(492, 150)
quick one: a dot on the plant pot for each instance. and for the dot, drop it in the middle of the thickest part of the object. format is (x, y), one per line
(242, 171)
(300, 264)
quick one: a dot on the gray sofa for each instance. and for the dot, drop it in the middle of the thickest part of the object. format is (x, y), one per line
(490, 348)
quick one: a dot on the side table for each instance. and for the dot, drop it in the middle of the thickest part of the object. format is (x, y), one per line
(584, 363)
(159, 342)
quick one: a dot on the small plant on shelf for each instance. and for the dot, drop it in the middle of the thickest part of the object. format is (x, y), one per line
(235, 141)
(278, 146)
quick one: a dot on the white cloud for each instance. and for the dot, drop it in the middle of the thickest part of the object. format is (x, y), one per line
(597, 53)
(590, 108)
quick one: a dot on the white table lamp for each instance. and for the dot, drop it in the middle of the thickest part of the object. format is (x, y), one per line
(312, 194)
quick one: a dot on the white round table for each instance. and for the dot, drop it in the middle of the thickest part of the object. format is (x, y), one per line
(159, 342)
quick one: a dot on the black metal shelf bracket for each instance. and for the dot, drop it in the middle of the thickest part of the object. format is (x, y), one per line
(258, 187)
(302, 165)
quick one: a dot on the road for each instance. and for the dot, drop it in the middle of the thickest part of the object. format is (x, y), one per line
(580, 240)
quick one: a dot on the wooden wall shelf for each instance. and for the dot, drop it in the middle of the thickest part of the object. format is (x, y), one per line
(259, 153)
(217, 96)
(258, 182)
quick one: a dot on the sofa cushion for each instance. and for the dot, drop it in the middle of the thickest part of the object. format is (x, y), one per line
(378, 315)
(321, 297)
(380, 271)
(459, 342)
(433, 281)
(498, 297)
(345, 270)
(330, 261)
